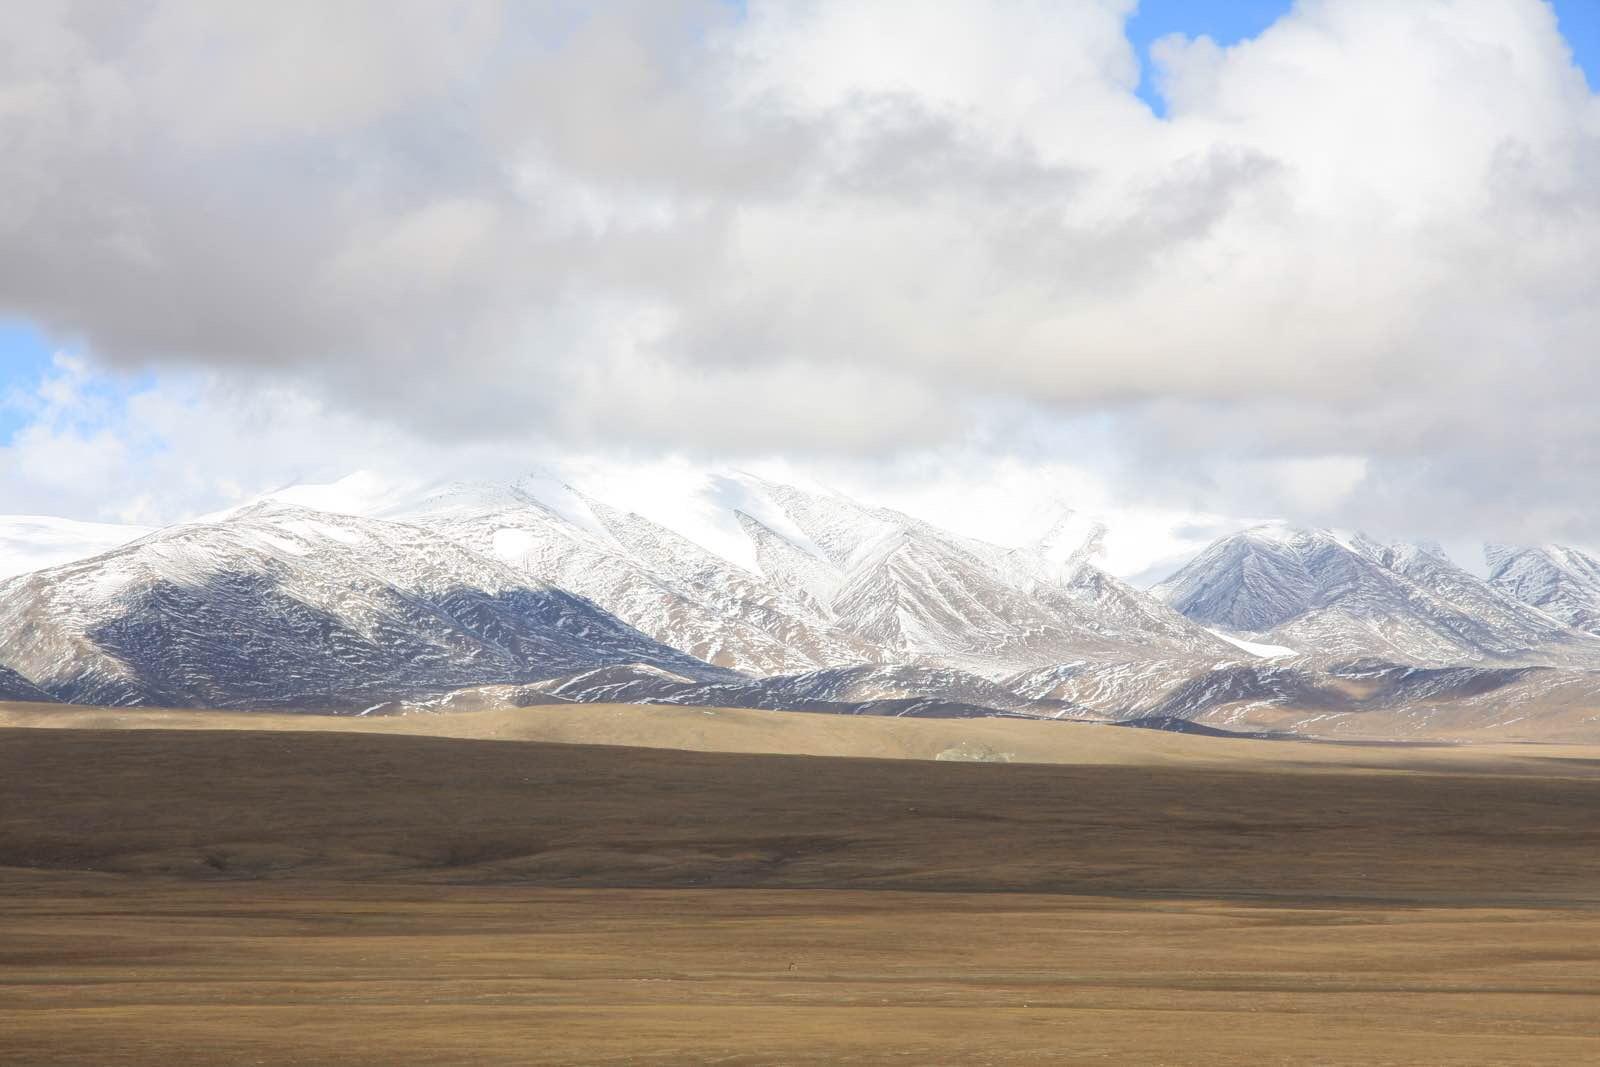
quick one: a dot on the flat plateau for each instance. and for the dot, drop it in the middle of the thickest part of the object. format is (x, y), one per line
(351, 894)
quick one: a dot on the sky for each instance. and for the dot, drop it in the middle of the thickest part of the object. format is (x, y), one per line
(1183, 263)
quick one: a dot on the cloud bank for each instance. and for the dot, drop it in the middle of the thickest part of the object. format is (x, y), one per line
(1350, 274)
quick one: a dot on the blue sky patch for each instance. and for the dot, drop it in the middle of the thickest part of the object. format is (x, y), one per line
(1580, 24)
(1224, 21)
(24, 358)
(1230, 21)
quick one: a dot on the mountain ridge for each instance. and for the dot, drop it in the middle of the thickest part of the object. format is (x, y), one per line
(1345, 597)
(539, 591)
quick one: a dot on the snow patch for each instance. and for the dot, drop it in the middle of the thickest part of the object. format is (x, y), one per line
(743, 493)
(509, 546)
(1255, 648)
(560, 498)
(311, 530)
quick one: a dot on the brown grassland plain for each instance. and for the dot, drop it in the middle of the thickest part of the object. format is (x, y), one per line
(368, 895)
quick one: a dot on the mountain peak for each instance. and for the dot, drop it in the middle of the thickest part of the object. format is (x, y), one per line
(1561, 581)
(1347, 595)
(1072, 541)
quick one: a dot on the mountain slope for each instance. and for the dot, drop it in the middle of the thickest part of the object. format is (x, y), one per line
(1561, 582)
(1340, 598)
(644, 574)
(839, 584)
(794, 564)
(1518, 625)
(833, 605)
(924, 593)
(14, 686)
(900, 690)
(280, 606)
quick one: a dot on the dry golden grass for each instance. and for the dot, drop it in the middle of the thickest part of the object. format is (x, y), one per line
(198, 897)
(276, 973)
(801, 734)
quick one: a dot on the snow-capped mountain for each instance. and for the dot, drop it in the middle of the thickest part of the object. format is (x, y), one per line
(1561, 582)
(1518, 624)
(646, 575)
(536, 591)
(1339, 597)
(279, 605)
(906, 586)
(836, 583)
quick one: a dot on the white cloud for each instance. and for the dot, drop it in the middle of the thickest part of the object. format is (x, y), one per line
(1362, 243)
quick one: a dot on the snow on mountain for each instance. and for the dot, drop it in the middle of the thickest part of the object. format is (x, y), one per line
(32, 542)
(1519, 625)
(839, 582)
(363, 493)
(793, 563)
(1256, 648)
(1073, 541)
(284, 606)
(798, 623)
(1118, 691)
(1392, 702)
(537, 590)
(644, 574)
(1247, 583)
(842, 530)
(1358, 699)
(920, 592)
(1117, 612)
(1340, 597)
(14, 686)
(897, 690)
(1561, 582)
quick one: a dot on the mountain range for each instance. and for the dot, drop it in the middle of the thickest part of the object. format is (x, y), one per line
(1339, 597)
(536, 592)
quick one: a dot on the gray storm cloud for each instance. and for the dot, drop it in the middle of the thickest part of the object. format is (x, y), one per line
(1367, 237)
